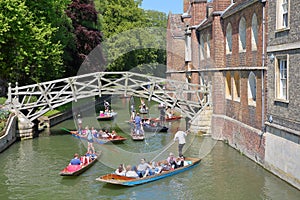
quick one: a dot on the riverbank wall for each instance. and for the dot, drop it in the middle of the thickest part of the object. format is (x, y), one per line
(54, 120)
(278, 154)
(9, 133)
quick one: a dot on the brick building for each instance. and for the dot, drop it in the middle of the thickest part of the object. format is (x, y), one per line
(283, 125)
(224, 42)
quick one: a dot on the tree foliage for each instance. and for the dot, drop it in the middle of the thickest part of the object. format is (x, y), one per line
(28, 50)
(85, 21)
(42, 40)
(134, 38)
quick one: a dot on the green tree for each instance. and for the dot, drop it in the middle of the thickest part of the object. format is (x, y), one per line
(28, 52)
(54, 12)
(130, 40)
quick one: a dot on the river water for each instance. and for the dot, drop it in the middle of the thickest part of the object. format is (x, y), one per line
(30, 169)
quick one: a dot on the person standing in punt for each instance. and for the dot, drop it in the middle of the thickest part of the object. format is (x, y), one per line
(138, 123)
(106, 106)
(162, 116)
(90, 140)
(180, 136)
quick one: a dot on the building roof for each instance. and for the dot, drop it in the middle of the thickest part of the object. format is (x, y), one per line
(236, 7)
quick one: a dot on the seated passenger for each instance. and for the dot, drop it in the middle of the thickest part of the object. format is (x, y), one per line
(165, 166)
(90, 155)
(75, 160)
(113, 134)
(104, 134)
(94, 132)
(157, 168)
(131, 172)
(121, 170)
(101, 114)
(143, 168)
(180, 161)
(172, 161)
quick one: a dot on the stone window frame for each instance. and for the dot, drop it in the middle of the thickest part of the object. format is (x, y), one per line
(254, 32)
(252, 87)
(242, 34)
(229, 39)
(282, 78)
(228, 85)
(236, 86)
(282, 15)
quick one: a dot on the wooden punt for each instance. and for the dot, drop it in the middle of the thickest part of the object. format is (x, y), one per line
(143, 111)
(157, 128)
(128, 181)
(137, 137)
(173, 118)
(108, 117)
(115, 139)
(75, 170)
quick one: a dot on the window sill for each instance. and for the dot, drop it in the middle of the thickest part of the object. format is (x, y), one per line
(282, 29)
(237, 99)
(251, 103)
(282, 100)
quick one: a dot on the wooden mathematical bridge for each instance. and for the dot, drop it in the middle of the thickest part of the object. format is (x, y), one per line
(32, 101)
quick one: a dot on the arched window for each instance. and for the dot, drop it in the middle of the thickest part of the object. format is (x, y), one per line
(251, 88)
(228, 39)
(237, 92)
(228, 85)
(254, 32)
(242, 34)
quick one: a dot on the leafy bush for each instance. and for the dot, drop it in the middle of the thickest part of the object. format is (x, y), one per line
(4, 114)
(2, 100)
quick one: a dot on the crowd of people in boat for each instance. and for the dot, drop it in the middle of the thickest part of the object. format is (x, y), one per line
(100, 134)
(144, 168)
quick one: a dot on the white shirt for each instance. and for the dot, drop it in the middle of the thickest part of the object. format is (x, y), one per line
(122, 173)
(132, 174)
(180, 135)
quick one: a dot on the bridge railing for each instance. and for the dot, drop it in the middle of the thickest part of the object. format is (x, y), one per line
(32, 101)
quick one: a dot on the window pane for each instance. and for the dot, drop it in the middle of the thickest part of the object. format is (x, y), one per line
(285, 20)
(285, 7)
(283, 79)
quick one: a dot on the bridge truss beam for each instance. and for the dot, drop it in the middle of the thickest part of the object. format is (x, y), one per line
(32, 101)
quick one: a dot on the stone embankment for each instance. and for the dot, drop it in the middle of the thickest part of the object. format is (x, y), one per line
(9, 133)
